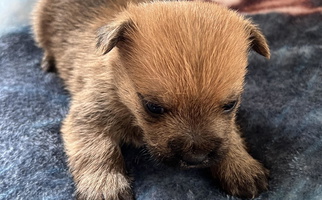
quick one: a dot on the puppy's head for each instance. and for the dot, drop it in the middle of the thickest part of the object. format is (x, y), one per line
(180, 71)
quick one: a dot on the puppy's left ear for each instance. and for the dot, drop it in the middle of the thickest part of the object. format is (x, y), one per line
(111, 35)
(258, 42)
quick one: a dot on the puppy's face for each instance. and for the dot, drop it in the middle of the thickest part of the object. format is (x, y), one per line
(181, 74)
(189, 129)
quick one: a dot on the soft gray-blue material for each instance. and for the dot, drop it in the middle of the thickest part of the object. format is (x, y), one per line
(280, 115)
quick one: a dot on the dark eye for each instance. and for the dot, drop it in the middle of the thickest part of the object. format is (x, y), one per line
(153, 108)
(229, 106)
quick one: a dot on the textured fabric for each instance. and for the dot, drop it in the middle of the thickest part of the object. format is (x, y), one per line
(280, 116)
(293, 7)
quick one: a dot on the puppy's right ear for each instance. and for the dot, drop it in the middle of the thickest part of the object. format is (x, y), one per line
(109, 36)
(258, 41)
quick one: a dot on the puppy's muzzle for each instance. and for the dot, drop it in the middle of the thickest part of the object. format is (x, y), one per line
(194, 158)
(191, 154)
(190, 157)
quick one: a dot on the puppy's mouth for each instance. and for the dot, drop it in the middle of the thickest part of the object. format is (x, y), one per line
(177, 161)
(185, 165)
(188, 160)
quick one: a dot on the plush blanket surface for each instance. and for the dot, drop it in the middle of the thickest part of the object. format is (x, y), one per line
(280, 116)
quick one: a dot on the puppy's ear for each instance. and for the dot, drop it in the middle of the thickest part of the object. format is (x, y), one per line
(110, 35)
(258, 42)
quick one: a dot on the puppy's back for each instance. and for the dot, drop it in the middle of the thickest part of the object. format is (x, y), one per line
(55, 19)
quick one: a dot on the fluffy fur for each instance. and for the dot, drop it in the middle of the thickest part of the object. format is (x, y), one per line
(190, 58)
(280, 116)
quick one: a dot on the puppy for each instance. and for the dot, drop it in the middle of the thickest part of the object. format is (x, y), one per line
(166, 75)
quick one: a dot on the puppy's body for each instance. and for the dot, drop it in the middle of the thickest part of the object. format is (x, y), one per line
(167, 75)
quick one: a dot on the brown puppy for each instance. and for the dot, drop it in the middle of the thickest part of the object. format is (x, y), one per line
(167, 75)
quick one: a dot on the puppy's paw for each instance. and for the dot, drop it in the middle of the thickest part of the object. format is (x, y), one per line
(112, 187)
(245, 178)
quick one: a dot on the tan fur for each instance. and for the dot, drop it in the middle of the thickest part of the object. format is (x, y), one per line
(188, 57)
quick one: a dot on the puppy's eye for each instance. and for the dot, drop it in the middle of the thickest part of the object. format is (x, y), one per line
(229, 106)
(153, 108)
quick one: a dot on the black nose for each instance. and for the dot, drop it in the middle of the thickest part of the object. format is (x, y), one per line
(194, 159)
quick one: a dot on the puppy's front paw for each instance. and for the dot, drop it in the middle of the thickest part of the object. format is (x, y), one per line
(111, 187)
(245, 178)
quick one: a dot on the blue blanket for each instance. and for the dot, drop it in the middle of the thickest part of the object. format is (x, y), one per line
(280, 116)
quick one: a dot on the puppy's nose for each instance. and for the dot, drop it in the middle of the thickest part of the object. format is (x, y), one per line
(194, 159)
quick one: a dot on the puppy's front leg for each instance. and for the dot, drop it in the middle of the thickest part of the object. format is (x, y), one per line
(94, 155)
(239, 173)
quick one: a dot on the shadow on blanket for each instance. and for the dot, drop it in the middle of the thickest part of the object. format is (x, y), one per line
(281, 116)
